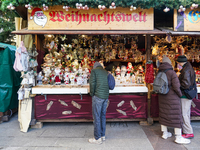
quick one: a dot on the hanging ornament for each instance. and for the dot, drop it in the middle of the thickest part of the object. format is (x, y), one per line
(86, 7)
(66, 8)
(28, 6)
(168, 38)
(166, 9)
(181, 8)
(132, 8)
(80, 6)
(101, 7)
(112, 5)
(194, 6)
(45, 7)
(11, 7)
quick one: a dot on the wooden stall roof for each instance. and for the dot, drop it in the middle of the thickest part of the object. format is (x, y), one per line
(26, 31)
(172, 32)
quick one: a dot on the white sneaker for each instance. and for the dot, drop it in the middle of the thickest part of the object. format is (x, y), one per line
(182, 140)
(166, 135)
(103, 138)
(93, 140)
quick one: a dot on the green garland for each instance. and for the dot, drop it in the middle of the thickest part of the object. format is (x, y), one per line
(158, 4)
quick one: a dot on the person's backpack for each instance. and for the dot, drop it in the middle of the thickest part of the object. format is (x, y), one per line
(111, 81)
(160, 83)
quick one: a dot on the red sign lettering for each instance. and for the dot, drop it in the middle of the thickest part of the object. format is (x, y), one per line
(107, 18)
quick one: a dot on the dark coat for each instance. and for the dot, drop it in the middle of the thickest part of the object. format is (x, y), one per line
(187, 76)
(170, 113)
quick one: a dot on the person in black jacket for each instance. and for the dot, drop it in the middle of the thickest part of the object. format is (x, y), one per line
(186, 78)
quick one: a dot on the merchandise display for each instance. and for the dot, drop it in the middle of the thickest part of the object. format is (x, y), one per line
(173, 46)
(69, 59)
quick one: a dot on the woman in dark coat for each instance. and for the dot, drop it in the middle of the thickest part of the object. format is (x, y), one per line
(170, 105)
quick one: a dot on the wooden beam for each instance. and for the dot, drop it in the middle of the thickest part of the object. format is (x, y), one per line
(114, 32)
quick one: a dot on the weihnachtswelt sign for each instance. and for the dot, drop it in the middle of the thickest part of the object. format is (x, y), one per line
(56, 18)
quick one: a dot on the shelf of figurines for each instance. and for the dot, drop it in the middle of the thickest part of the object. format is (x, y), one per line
(120, 60)
(84, 89)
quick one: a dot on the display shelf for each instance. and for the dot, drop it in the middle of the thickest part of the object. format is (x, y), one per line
(59, 89)
(75, 89)
(134, 88)
(120, 60)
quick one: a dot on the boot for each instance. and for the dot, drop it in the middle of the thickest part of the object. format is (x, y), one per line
(166, 134)
(179, 139)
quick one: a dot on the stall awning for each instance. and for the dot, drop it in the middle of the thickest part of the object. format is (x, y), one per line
(172, 32)
(26, 31)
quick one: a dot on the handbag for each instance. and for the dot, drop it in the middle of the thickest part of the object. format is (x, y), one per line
(192, 91)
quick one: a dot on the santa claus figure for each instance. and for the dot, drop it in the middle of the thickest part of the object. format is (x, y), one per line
(66, 77)
(123, 71)
(129, 68)
(47, 71)
(57, 76)
(39, 17)
(118, 71)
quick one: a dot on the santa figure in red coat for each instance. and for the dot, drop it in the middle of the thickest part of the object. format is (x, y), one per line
(129, 68)
(57, 75)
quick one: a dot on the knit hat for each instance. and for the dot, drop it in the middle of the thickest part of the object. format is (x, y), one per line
(182, 58)
(166, 59)
(34, 11)
(96, 64)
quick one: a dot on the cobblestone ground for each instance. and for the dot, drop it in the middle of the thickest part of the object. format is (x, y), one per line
(74, 136)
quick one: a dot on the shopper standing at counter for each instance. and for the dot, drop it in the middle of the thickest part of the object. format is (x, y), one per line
(170, 104)
(187, 79)
(99, 91)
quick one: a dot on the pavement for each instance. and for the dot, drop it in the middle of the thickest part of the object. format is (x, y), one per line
(74, 136)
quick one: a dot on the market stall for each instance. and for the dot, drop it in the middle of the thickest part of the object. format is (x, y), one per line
(69, 42)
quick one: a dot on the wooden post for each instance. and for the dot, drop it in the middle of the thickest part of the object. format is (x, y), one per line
(148, 46)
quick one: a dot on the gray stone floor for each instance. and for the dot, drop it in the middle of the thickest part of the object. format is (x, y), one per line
(74, 136)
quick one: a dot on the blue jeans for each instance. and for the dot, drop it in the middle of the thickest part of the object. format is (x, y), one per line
(99, 115)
